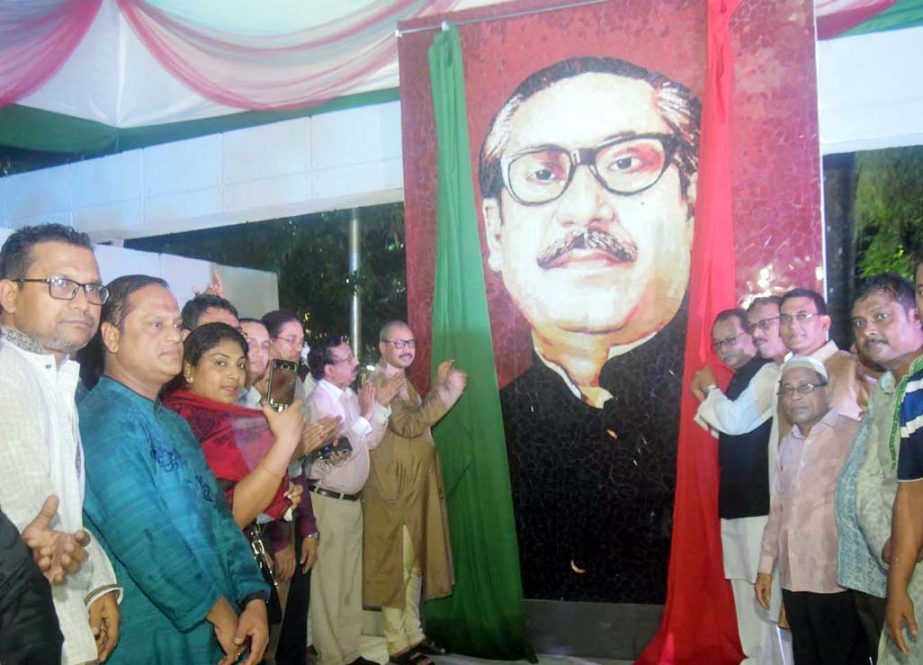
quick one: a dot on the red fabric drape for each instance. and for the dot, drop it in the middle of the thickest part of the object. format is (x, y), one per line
(699, 625)
(234, 440)
(36, 38)
(275, 72)
(834, 17)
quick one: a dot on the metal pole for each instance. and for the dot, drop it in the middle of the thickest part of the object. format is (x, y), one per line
(355, 262)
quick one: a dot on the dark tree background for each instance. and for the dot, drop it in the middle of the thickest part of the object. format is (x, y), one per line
(310, 256)
(889, 210)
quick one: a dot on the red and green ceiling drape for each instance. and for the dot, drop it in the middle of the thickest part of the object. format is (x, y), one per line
(244, 64)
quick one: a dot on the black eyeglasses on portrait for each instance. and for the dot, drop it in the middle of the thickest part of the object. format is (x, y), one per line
(623, 166)
(62, 288)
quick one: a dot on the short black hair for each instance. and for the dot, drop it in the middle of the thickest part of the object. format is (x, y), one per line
(277, 318)
(116, 307)
(818, 299)
(765, 300)
(678, 107)
(734, 313)
(195, 308)
(16, 254)
(899, 289)
(320, 355)
(206, 337)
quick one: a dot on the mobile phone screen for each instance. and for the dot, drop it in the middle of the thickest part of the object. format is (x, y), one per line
(282, 377)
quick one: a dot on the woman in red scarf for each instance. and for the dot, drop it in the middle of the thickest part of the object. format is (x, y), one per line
(248, 450)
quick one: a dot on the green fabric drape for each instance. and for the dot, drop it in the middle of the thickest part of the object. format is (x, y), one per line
(902, 14)
(484, 615)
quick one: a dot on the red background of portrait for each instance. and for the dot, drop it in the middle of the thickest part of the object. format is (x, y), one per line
(778, 231)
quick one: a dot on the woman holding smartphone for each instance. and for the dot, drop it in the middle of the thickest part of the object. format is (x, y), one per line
(248, 450)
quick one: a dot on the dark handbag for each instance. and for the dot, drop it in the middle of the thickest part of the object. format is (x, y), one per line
(263, 561)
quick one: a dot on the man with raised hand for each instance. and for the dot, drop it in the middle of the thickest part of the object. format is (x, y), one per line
(406, 545)
(742, 418)
(50, 295)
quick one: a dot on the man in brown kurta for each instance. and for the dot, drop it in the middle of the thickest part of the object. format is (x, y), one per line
(406, 547)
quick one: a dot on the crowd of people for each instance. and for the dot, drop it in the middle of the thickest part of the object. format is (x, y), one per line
(158, 507)
(819, 452)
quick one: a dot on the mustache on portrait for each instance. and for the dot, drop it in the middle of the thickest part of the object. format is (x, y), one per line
(618, 245)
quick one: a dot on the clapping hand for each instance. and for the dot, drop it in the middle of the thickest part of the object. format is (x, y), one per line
(453, 380)
(319, 433)
(366, 400)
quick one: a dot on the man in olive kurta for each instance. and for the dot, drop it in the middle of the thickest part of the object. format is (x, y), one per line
(406, 545)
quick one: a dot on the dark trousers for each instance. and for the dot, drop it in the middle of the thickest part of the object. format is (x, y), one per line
(825, 628)
(293, 639)
(871, 610)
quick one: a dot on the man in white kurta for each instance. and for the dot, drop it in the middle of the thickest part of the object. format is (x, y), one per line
(41, 453)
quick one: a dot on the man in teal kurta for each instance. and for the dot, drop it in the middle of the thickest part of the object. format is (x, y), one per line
(193, 593)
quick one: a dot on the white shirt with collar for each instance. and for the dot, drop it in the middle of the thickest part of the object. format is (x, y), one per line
(41, 454)
(347, 477)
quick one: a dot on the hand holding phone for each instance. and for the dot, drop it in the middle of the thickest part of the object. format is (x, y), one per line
(282, 377)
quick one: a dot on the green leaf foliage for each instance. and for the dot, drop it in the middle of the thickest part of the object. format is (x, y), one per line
(888, 210)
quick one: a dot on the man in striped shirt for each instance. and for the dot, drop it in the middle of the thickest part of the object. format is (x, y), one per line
(906, 455)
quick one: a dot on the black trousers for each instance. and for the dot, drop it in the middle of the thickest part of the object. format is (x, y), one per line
(293, 639)
(871, 611)
(825, 628)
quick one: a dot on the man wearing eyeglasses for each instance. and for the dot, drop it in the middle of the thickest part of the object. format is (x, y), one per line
(588, 178)
(886, 325)
(50, 294)
(335, 483)
(741, 417)
(799, 544)
(804, 323)
(406, 536)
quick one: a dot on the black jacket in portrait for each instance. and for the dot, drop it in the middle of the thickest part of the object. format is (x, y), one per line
(593, 488)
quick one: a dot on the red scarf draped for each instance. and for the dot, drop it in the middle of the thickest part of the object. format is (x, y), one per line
(234, 439)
